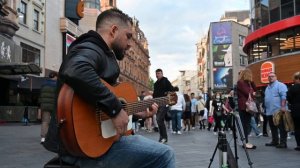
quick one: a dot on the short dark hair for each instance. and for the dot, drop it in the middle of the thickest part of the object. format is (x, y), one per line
(297, 75)
(158, 70)
(113, 14)
(176, 89)
(52, 74)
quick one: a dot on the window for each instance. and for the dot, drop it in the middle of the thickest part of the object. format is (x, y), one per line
(111, 3)
(286, 40)
(241, 40)
(22, 12)
(274, 43)
(265, 13)
(297, 3)
(243, 60)
(274, 11)
(92, 4)
(36, 20)
(297, 39)
(287, 8)
(30, 54)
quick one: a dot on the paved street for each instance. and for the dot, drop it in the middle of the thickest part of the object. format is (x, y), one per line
(20, 148)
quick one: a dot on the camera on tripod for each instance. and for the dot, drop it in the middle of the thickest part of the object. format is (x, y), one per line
(226, 157)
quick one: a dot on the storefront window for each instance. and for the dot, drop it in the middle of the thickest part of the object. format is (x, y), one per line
(286, 40)
(256, 52)
(274, 11)
(287, 8)
(274, 44)
(264, 48)
(297, 39)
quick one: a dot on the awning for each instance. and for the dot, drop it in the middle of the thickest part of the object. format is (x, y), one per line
(19, 68)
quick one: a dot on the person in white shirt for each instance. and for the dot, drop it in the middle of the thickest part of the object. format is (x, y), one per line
(176, 112)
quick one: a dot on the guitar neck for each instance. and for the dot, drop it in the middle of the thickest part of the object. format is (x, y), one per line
(139, 106)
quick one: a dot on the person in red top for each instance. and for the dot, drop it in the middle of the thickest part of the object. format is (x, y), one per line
(245, 87)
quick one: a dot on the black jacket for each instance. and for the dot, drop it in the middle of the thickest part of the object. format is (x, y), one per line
(48, 96)
(88, 60)
(293, 98)
(161, 87)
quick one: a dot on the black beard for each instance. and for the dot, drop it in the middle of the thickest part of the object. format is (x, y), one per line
(118, 51)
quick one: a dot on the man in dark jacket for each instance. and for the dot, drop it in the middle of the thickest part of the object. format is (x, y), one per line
(293, 97)
(161, 87)
(48, 103)
(93, 56)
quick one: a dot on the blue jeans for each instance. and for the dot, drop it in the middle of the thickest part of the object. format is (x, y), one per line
(128, 152)
(176, 120)
(254, 126)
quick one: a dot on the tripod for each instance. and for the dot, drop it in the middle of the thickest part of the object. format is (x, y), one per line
(226, 160)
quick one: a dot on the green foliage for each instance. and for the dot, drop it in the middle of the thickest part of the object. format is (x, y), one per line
(151, 83)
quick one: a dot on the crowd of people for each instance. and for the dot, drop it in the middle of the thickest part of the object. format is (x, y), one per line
(216, 110)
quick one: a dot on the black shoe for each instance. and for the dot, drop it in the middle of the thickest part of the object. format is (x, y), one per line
(265, 135)
(282, 145)
(272, 144)
(297, 148)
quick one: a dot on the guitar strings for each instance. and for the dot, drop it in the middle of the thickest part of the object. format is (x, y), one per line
(135, 107)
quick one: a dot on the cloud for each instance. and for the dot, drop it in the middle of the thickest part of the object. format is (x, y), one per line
(173, 27)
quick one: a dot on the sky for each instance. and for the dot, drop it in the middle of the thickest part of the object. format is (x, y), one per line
(173, 28)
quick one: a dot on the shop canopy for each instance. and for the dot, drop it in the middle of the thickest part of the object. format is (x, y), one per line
(19, 68)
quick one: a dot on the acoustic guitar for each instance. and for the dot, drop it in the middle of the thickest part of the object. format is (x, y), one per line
(85, 130)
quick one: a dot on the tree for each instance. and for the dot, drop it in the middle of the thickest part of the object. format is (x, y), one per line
(151, 83)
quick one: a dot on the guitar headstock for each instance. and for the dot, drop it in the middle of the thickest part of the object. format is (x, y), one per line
(172, 98)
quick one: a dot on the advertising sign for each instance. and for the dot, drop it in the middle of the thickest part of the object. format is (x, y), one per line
(222, 55)
(223, 78)
(7, 50)
(265, 69)
(69, 40)
(221, 33)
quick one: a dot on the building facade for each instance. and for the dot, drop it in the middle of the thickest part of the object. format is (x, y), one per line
(274, 43)
(202, 64)
(187, 82)
(226, 57)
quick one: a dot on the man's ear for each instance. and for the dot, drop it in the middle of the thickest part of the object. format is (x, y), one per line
(114, 30)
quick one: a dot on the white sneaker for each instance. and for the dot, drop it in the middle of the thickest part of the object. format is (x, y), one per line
(42, 140)
(163, 141)
(178, 132)
(260, 134)
(174, 132)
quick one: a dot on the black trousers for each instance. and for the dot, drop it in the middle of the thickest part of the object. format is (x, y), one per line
(160, 117)
(297, 129)
(274, 131)
(246, 120)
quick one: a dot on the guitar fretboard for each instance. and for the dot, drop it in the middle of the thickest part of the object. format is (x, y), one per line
(139, 106)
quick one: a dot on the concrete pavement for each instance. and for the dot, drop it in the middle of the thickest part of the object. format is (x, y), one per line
(20, 147)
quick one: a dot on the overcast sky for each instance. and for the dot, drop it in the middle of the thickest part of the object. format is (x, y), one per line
(173, 27)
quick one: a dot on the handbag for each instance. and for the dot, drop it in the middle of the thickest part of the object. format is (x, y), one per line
(251, 105)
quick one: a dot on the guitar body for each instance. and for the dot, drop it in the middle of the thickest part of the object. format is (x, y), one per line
(81, 131)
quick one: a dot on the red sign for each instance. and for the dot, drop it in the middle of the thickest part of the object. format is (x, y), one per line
(265, 69)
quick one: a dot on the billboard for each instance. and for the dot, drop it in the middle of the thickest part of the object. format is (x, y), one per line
(221, 33)
(223, 78)
(222, 55)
